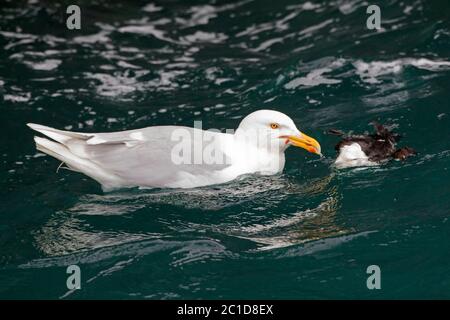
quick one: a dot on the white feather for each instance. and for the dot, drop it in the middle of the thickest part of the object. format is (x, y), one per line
(352, 156)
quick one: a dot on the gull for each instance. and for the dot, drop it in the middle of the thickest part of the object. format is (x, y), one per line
(177, 156)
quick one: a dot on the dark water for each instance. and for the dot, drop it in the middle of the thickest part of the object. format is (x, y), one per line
(308, 233)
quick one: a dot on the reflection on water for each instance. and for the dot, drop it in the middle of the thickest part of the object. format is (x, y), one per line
(321, 245)
(209, 198)
(70, 231)
(182, 251)
(300, 227)
(68, 237)
(66, 234)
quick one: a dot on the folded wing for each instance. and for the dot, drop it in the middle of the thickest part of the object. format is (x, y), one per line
(141, 157)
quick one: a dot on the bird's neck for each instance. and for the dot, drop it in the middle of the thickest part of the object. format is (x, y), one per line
(251, 157)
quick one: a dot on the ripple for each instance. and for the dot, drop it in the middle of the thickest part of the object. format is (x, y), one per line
(21, 97)
(46, 65)
(100, 37)
(183, 251)
(315, 74)
(151, 7)
(294, 229)
(322, 245)
(369, 72)
(118, 84)
(146, 30)
(205, 37)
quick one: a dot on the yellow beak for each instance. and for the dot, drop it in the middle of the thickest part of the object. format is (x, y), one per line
(305, 142)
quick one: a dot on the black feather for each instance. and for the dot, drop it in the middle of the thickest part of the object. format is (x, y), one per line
(378, 146)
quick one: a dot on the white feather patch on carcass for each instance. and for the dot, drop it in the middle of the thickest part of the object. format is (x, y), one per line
(352, 156)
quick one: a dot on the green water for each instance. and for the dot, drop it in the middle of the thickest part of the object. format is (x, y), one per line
(308, 233)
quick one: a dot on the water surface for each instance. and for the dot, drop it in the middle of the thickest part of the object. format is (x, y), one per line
(308, 233)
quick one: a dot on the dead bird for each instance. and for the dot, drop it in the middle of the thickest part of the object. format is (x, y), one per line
(369, 149)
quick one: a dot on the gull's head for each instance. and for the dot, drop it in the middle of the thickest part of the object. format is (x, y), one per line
(275, 130)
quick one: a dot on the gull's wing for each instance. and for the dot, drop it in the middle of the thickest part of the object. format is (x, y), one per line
(149, 157)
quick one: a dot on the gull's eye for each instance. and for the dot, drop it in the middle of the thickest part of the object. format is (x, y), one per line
(274, 125)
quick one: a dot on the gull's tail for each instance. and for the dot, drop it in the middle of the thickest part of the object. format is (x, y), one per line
(62, 149)
(58, 149)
